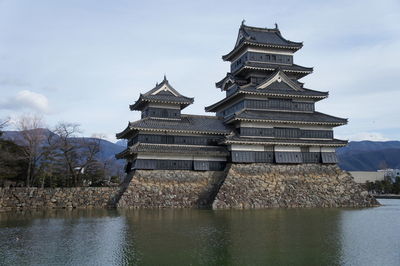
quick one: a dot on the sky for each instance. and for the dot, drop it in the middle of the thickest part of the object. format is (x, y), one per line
(85, 61)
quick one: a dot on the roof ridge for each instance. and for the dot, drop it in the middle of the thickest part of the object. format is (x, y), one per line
(331, 116)
(265, 29)
(203, 116)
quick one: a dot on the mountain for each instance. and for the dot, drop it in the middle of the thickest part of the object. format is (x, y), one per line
(356, 156)
(122, 142)
(369, 155)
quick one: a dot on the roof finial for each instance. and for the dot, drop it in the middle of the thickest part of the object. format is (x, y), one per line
(243, 21)
(276, 26)
(165, 77)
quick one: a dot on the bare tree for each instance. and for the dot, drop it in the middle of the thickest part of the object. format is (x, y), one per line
(78, 153)
(65, 132)
(3, 123)
(31, 128)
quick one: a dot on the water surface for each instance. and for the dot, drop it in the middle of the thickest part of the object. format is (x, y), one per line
(203, 237)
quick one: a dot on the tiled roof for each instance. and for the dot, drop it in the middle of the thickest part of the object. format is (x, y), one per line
(174, 148)
(155, 95)
(262, 37)
(187, 123)
(285, 68)
(275, 92)
(283, 90)
(267, 36)
(285, 141)
(181, 100)
(289, 117)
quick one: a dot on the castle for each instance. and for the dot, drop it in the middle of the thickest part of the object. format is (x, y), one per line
(267, 115)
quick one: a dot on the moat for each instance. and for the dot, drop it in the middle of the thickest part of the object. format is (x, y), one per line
(333, 236)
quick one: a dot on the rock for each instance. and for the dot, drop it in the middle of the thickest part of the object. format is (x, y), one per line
(309, 185)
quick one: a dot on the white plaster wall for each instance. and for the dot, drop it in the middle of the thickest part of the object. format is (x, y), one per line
(164, 105)
(315, 149)
(287, 148)
(239, 147)
(327, 149)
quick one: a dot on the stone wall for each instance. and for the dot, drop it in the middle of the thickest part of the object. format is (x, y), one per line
(40, 198)
(171, 188)
(239, 186)
(308, 185)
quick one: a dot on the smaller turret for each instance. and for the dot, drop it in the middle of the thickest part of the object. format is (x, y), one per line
(163, 101)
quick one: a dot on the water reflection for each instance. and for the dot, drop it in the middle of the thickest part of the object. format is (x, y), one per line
(202, 237)
(233, 237)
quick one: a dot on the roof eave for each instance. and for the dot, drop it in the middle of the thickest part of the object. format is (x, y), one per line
(137, 106)
(286, 143)
(182, 131)
(228, 56)
(123, 133)
(334, 124)
(211, 108)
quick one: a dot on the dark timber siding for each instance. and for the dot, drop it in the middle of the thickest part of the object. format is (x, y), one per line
(288, 157)
(311, 157)
(178, 165)
(161, 112)
(281, 157)
(263, 58)
(279, 104)
(167, 139)
(286, 133)
(252, 156)
(270, 104)
(329, 157)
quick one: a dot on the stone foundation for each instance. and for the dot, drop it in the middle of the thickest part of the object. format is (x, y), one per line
(289, 186)
(49, 198)
(246, 186)
(171, 188)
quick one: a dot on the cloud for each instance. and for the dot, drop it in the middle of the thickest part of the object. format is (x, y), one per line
(26, 99)
(373, 136)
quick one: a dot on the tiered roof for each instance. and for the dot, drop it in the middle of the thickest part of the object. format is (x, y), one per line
(261, 37)
(278, 84)
(315, 118)
(174, 148)
(235, 139)
(186, 124)
(162, 93)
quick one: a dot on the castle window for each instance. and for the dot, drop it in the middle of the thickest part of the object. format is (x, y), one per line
(273, 57)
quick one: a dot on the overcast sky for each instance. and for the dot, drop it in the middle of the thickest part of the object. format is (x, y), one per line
(86, 61)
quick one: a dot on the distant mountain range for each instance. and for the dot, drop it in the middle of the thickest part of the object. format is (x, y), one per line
(356, 156)
(369, 155)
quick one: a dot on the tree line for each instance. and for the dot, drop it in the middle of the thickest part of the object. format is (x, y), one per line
(39, 157)
(385, 186)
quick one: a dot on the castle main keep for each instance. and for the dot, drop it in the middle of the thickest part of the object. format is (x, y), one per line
(266, 116)
(265, 146)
